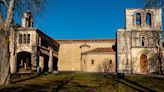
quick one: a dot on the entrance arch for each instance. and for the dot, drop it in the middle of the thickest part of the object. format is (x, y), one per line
(143, 64)
(24, 62)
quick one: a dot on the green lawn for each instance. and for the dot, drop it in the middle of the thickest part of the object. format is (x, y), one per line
(84, 82)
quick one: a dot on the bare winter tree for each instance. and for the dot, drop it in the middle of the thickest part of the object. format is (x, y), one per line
(157, 4)
(8, 8)
(105, 66)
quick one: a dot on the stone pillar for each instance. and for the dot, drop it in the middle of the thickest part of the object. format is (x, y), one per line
(34, 58)
(12, 59)
(50, 61)
(41, 62)
(13, 64)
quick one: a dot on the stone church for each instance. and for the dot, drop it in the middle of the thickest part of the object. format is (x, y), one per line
(136, 48)
(139, 44)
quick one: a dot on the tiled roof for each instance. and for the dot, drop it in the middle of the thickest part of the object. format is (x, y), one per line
(97, 50)
(85, 41)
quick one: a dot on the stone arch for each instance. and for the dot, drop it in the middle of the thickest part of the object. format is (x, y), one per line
(143, 63)
(24, 62)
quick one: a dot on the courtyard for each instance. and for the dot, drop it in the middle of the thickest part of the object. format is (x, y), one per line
(84, 82)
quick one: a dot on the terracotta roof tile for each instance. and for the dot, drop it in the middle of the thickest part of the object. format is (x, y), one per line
(96, 50)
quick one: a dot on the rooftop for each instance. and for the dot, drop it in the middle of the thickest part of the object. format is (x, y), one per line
(97, 50)
(85, 41)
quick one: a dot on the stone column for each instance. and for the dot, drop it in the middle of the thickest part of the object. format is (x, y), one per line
(34, 58)
(13, 64)
(41, 62)
(50, 61)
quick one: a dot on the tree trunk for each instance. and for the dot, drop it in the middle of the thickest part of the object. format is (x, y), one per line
(4, 57)
(4, 46)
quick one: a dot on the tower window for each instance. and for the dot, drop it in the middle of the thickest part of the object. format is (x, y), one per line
(138, 19)
(148, 19)
(24, 40)
(92, 62)
(20, 38)
(28, 38)
(143, 41)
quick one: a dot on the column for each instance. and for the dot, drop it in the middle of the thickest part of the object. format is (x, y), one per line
(12, 59)
(13, 64)
(50, 61)
(41, 62)
(34, 58)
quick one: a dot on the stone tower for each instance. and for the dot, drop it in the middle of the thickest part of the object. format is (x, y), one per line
(140, 42)
(27, 19)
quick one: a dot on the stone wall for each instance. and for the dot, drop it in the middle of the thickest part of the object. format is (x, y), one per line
(70, 53)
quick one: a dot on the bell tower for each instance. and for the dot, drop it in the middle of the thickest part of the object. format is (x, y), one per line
(27, 19)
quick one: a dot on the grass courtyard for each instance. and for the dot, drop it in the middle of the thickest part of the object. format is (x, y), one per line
(84, 82)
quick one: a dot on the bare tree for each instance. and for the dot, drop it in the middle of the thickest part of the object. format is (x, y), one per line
(7, 10)
(105, 66)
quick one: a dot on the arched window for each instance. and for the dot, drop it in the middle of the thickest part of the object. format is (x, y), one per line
(143, 41)
(148, 19)
(138, 19)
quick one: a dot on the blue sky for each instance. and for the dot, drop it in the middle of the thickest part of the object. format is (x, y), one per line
(84, 19)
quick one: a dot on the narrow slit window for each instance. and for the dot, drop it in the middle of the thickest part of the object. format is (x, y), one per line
(110, 62)
(143, 41)
(92, 62)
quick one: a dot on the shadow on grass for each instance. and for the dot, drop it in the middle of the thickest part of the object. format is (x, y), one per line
(129, 83)
(61, 84)
(24, 79)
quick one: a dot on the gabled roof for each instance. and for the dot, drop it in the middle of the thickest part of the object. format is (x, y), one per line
(100, 50)
(85, 45)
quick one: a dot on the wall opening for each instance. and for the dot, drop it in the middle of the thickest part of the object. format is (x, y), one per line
(24, 62)
(143, 64)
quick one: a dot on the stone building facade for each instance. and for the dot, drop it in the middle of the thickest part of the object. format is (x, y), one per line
(139, 44)
(86, 55)
(136, 49)
(31, 49)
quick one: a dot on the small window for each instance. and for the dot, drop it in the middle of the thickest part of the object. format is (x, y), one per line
(92, 62)
(110, 61)
(28, 39)
(148, 19)
(24, 40)
(20, 38)
(143, 41)
(138, 19)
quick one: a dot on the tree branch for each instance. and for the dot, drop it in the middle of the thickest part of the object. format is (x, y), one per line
(5, 2)
(9, 18)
